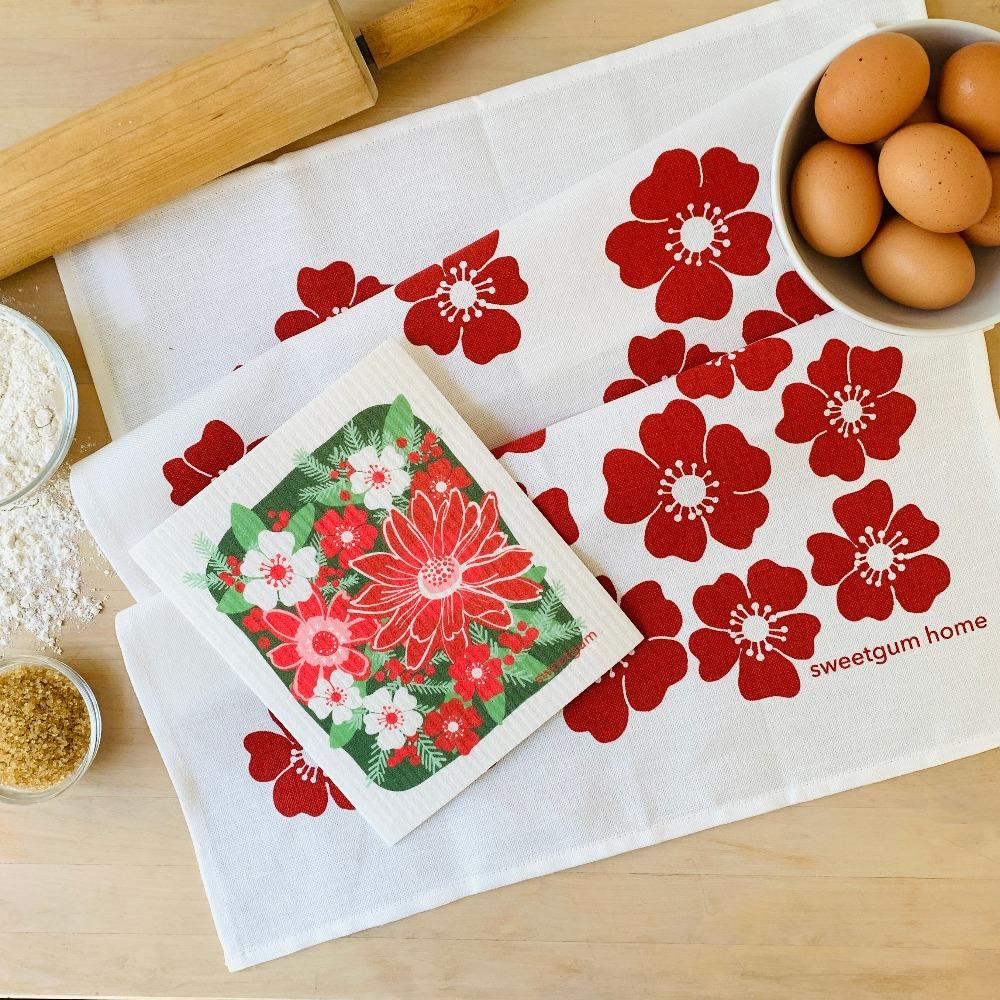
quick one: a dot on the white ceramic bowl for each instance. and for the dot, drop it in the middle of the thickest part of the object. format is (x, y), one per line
(841, 281)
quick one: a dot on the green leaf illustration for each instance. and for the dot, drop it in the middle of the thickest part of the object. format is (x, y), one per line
(247, 526)
(536, 573)
(497, 707)
(341, 732)
(331, 497)
(301, 524)
(233, 603)
(398, 422)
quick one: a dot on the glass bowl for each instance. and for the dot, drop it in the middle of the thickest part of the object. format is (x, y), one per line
(68, 415)
(21, 796)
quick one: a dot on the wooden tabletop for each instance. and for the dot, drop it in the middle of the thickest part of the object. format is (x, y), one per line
(887, 891)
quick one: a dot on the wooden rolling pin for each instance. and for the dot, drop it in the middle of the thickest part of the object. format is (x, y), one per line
(208, 116)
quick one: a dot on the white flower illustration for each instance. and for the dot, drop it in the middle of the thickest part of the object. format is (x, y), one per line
(380, 477)
(392, 716)
(336, 697)
(276, 573)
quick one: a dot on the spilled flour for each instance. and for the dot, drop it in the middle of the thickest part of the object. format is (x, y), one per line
(41, 566)
(31, 401)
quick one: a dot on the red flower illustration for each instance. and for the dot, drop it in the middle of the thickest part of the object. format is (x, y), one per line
(641, 680)
(438, 480)
(553, 504)
(453, 726)
(447, 565)
(325, 293)
(218, 448)
(299, 785)
(461, 299)
(521, 445)
(753, 625)
(688, 484)
(880, 561)
(653, 359)
(848, 409)
(690, 230)
(476, 672)
(319, 639)
(346, 534)
(757, 369)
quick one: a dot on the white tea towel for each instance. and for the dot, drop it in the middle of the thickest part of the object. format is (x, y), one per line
(172, 301)
(814, 626)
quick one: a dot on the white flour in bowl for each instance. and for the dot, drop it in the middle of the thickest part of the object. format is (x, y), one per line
(30, 407)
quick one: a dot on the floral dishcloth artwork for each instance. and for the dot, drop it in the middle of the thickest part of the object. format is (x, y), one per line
(380, 584)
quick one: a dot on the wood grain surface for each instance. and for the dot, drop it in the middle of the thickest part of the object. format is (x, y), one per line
(889, 891)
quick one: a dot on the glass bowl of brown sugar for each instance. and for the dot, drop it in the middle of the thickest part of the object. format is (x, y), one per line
(50, 728)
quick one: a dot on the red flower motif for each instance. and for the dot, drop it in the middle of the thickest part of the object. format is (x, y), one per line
(218, 448)
(752, 625)
(476, 672)
(639, 681)
(299, 785)
(460, 299)
(688, 484)
(346, 534)
(319, 639)
(654, 359)
(521, 445)
(453, 726)
(553, 504)
(447, 565)
(757, 368)
(880, 561)
(689, 231)
(325, 293)
(849, 410)
(439, 479)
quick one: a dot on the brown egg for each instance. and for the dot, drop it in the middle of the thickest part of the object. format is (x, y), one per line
(836, 199)
(986, 232)
(935, 177)
(926, 112)
(872, 87)
(969, 93)
(919, 269)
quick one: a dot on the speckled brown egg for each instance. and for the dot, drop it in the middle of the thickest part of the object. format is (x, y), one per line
(935, 177)
(917, 268)
(836, 199)
(986, 232)
(969, 93)
(872, 87)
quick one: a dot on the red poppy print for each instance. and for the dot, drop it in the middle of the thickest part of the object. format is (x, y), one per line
(476, 672)
(879, 560)
(447, 565)
(345, 534)
(439, 479)
(641, 680)
(452, 726)
(849, 409)
(690, 233)
(216, 450)
(654, 359)
(689, 484)
(325, 293)
(755, 625)
(553, 505)
(462, 300)
(756, 369)
(522, 445)
(300, 787)
(317, 639)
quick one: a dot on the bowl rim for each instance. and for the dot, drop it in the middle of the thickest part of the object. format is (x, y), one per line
(782, 224)
(11, 795)
(71, 407)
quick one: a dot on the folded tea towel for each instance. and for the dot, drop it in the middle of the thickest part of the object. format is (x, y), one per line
(813, 612)
(172, 301)
(799, 561)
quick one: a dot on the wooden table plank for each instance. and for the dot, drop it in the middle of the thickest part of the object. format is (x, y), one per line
(888, 891)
